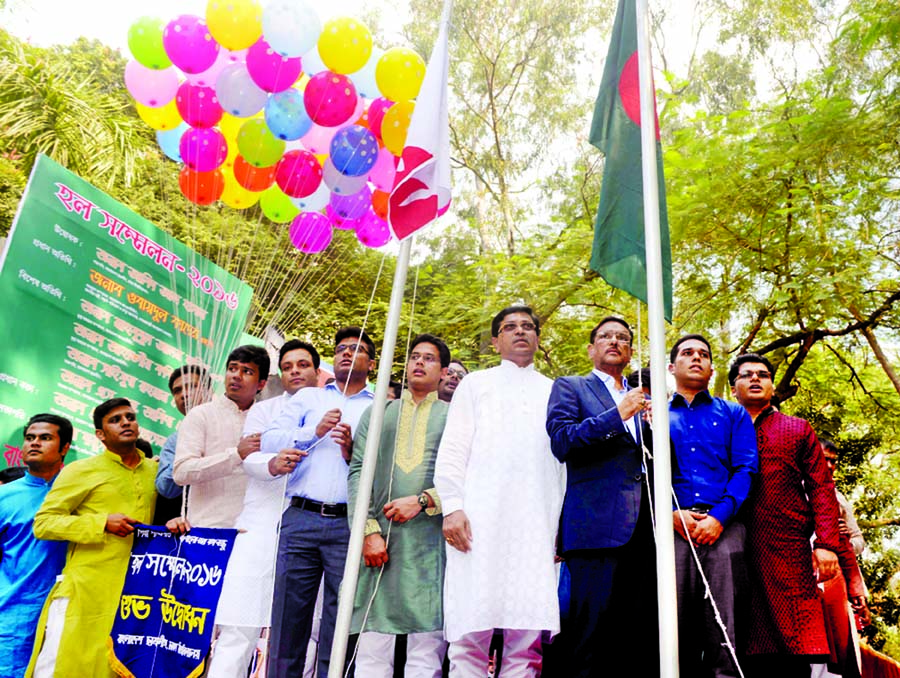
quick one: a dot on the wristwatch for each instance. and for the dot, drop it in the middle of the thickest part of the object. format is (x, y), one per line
(423, 500)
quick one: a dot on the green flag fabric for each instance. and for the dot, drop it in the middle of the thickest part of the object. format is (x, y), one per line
(619, 253)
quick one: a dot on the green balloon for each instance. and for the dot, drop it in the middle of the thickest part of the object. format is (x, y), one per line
(145, 40)
(258, 145)
(277, 206)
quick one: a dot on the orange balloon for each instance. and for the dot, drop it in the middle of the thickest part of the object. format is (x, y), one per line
(380, 203)
(201, 188)
(253, 178)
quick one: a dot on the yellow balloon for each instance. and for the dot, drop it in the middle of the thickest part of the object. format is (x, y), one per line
(345, 45)
(399, 74)
(237, 196)
(395, 126)
(229, 126)
(162, 118)
(235, 24)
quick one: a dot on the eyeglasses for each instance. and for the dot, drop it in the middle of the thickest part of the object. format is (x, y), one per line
(759, 374)
(427, 358)
(459, 374)
(621, 337)
(507, 328)
(353, 348)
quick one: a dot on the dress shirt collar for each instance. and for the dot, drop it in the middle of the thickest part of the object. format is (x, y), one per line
(510, 365)
(610, 381)
(227, 403)
(679, 400)
(366, 393)
(116, 458)
(29, 479)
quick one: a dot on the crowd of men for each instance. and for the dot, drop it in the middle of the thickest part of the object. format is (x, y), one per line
(497, 495)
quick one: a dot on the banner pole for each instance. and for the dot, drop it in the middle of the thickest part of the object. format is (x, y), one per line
(662, 479)
(367, 473)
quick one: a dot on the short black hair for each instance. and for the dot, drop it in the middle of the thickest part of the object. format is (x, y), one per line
(829, 445)
(255, 355)
(12, 473)
(509, 310)
(106, 407)
(63, 425)
(747, 358)
(144, 446)
(460, 363)
(295, 344)
(687, 337)
(437, 342)
(354, 332)
(189, 369)
(640, 378)
(612, 319)
(396, 387)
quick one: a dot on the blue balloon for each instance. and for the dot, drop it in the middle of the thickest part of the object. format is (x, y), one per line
(286, 115)
(170, 141)
(354, 151)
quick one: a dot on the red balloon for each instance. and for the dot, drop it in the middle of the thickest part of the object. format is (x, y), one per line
(253, 178)
(298, 173)
(198, 105)
(201, 188)
(380, 203)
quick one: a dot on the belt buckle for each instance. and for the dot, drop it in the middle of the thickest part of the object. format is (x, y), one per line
(323, 510)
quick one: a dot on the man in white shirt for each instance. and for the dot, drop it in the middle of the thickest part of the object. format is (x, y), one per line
(245, 606)
(501, 490)
(311, 442)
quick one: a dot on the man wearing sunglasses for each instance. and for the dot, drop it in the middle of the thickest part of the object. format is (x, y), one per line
(311, 442)
(501, 490)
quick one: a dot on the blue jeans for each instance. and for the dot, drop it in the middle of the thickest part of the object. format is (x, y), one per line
(309, 546)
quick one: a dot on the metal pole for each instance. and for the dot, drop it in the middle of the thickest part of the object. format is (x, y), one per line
(367, 473)
(662, 481)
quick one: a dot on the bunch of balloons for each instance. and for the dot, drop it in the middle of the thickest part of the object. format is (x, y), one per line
(269, 105)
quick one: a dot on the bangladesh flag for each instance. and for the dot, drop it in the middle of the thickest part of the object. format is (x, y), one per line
(619, 253)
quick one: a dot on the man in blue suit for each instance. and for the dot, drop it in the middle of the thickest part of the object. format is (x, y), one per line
(606, 537)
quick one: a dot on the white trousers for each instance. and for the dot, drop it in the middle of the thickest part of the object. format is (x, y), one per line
(424, 655)
(56, 620)
(233, 651)
(522, 654)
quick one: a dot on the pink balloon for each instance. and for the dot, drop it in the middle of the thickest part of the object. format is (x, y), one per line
(269, 69)
(377, 109)
(318, 139)
(189, 44)
(225, 58)
(203, 150)
(310, 232)
(372, 231)
(383, 171)
(298, 174)
(198, 105)
(330, 99)
(338, 222)
(149, 86)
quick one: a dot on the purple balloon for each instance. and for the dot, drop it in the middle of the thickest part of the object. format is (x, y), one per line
(149, 86)
(340, 183)
(338, 221)
(269, 69)
(372, 230)
(189, 44)
(237, 92)
(198, 105)
(203, 150)
(351, 206)
(225, 58)
(310, 232)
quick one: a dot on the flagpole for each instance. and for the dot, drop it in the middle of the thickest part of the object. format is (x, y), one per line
(662, 478)
(367, 473)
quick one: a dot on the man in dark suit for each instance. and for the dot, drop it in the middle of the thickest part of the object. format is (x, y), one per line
(606, 536)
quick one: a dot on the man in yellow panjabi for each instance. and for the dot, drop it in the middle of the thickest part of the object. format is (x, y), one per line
(93, 505)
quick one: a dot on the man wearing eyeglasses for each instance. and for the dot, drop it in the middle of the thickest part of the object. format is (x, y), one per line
(455, 373)
(501, 490)
(713, 462)
(401, 586)
(311, 442)
(792, 497)
(606, 535)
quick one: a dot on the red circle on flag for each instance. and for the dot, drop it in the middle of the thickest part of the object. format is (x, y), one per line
(630, 92)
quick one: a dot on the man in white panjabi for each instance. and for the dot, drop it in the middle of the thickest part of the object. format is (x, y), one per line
(245, 606)
(501, 490)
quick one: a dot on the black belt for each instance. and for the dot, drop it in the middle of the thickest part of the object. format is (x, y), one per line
(325, 510)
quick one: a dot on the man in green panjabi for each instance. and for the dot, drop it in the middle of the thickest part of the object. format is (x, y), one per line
(93, 505)
(404, 531)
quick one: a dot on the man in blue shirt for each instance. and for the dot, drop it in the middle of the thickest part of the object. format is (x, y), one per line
(310, 442)
(714, 459)
(29, 566)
